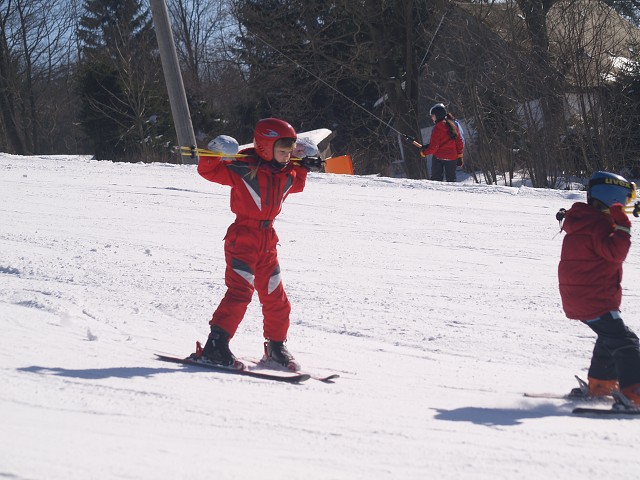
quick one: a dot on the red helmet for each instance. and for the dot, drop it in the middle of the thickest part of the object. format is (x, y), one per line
(267, 132)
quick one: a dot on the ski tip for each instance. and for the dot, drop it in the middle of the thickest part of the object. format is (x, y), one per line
(162, 356)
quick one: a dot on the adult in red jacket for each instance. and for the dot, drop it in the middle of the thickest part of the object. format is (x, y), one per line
(590, 271)
(260, 181)
(445, 145)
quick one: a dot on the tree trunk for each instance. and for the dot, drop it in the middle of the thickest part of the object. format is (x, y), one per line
(550, 83)
(8, 101)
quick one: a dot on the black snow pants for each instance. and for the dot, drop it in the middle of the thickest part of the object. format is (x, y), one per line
(441, 169)
(616, 355)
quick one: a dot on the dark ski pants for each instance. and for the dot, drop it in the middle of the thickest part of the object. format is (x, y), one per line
(616, 355)
(443, 168)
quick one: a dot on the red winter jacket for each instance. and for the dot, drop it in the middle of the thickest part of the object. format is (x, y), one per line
(256, 197)
(590, 269)
(441, 145)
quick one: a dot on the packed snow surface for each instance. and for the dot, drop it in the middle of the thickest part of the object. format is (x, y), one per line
(436, 303)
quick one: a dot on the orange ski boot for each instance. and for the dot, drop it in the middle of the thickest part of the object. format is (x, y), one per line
(602, 388)
(633, 394)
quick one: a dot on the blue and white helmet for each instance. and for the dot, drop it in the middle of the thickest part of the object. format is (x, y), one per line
(610, 188)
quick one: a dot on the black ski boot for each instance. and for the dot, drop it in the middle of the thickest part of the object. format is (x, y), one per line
(216, 350)
(277, 352)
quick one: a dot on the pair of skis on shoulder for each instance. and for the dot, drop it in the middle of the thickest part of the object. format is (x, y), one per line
(622, 406)
(255, 369)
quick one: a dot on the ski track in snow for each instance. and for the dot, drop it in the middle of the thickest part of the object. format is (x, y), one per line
(437, 304)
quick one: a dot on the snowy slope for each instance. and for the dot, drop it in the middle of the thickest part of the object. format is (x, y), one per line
(436, 303)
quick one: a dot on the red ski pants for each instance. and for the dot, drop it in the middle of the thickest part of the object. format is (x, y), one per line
(252, 264)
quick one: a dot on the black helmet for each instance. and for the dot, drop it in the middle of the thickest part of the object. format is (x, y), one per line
(439, 111)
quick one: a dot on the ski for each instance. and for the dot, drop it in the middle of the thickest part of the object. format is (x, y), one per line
(287, 378)
(257, 365)
(568, 396)
(580, 393)
(622, 407)
(326, 378)
(613, 411)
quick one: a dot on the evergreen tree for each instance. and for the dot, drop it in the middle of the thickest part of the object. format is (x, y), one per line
(125, 112)
(623, 112)
(627, 8)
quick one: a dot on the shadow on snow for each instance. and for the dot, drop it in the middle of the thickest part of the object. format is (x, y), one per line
(99, 373)
(492, 417)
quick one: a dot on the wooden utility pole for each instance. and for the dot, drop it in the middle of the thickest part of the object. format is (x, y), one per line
(173, 79)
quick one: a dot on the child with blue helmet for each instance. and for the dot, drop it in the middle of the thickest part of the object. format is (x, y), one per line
(598, 238)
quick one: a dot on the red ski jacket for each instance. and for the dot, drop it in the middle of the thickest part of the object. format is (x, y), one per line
(441, 145)
(258, 189)
(590, 269)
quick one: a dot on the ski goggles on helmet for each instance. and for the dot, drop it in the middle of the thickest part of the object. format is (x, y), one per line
(610, 188)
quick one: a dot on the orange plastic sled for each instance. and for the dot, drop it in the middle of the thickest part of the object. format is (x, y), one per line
(341, 164)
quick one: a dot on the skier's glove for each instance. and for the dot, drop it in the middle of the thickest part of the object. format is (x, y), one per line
(313, 164)
(460, 162)
(620, 218)
(423, 150)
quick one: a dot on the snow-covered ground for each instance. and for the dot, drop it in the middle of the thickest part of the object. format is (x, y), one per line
(436, 303)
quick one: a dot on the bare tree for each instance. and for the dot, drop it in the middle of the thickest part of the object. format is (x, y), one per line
(200, 27)
(203, 29)
(536, 102)
(125, 111)
(35, 58)
(590, 38)
(351, 65)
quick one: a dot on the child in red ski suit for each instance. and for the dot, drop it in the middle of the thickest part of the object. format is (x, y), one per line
(598, 238)
(259, 183)
(446, 145)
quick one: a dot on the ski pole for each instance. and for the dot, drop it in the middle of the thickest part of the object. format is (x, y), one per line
(413, 141)
(203, 152)
(633, 209)
(629, 209)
